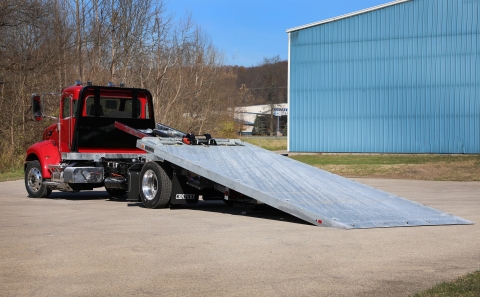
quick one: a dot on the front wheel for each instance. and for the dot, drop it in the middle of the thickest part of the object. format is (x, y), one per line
(34, 181)
(155, 186)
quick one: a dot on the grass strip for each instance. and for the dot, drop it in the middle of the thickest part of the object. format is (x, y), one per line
(11, 174)
(268, 143)
(465, 286)
(384, 159)
(418, 167)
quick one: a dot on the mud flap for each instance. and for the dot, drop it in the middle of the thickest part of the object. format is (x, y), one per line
(134, 183)
(181, 192)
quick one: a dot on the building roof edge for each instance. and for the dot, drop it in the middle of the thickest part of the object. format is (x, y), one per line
(347, 15)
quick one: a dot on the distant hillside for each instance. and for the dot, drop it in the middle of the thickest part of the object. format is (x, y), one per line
(266, 83)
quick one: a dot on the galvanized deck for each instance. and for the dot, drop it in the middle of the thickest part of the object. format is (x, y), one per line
(314, 195)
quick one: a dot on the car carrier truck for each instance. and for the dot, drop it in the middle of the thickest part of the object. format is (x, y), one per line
(106, 136)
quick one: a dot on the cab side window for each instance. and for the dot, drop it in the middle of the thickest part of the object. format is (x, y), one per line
(66, 107)
(75, 105)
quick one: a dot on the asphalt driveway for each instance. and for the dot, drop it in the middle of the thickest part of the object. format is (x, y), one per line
(84, 244)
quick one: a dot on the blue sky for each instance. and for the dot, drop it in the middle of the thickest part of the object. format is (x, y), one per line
(246, 31)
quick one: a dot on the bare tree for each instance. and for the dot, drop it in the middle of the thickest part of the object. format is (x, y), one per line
(47, 44)
(269, 85)
(25, 47)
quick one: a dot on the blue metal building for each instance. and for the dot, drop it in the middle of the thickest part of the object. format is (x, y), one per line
(403, 77)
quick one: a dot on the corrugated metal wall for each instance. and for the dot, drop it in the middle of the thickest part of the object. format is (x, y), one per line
(401, 79)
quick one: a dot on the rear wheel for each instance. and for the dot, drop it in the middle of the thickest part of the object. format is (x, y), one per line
(34, 181)
(155, 186)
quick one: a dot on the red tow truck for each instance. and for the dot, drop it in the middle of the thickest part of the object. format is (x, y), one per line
(83, 149)
(93, 144)
(88, 148)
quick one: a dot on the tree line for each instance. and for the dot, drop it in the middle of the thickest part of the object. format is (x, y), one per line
(46, 45)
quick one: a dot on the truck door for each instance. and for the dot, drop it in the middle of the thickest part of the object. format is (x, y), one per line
(67, 122)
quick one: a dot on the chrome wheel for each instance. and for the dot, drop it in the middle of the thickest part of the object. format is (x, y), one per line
(155, 185)
(149, 184)
(34, 179)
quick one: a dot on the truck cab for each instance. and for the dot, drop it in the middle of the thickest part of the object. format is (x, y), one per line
(83, 149)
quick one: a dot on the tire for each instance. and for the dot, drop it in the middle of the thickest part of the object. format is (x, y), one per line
(116, 192)
(155, 186)
(34, 181)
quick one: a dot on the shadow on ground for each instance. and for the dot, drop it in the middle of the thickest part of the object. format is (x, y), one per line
(83, 195)
(220, 207)
(208, 206)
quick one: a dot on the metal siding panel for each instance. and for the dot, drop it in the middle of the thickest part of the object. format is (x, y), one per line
(400, 79)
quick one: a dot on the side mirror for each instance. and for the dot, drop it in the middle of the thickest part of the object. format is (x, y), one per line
(37, 107)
